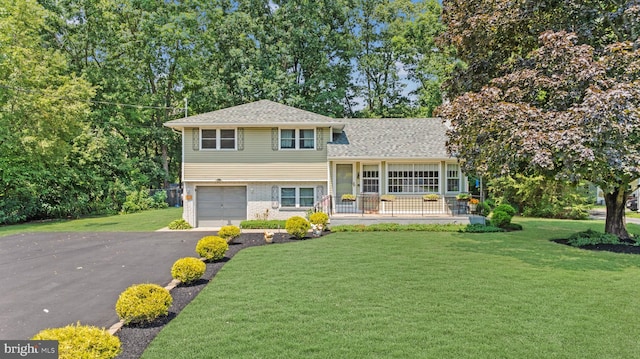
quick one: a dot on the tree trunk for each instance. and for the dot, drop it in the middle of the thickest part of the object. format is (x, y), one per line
(615, 202)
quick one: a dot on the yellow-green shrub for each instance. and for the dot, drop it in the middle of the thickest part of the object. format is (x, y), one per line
(212, 247)
(82, 341)
(319, 218)
(179, 224)
(143, 303)
(229, 233)
(188, 269)
(297, 226)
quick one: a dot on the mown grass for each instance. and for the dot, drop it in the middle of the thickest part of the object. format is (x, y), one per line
(416, 295)
(150, 220)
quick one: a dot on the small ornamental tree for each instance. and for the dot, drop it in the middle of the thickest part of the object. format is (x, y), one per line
(567, 111)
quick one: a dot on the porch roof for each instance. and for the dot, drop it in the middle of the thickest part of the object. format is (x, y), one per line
(390, 138)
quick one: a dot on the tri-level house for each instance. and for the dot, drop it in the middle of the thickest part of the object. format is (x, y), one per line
(268, 160)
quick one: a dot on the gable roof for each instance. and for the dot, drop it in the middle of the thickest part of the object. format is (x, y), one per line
(390, 138)
(256, 114)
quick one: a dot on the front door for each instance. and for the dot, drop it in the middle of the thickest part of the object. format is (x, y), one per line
(344, 180)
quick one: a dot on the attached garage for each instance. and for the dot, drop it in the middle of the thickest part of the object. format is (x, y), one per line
(218, 204)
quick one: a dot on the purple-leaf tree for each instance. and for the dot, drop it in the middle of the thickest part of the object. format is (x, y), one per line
(566, 110)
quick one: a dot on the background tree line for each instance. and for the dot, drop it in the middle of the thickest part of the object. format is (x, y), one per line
(86, 85)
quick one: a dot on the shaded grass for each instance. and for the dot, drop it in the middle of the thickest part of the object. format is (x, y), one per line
(146, 221)
(416, 295)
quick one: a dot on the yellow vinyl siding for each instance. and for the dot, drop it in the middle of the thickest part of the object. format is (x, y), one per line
(257, 149)
(274, 171)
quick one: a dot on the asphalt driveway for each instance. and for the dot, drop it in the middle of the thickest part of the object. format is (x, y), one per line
(56, 279)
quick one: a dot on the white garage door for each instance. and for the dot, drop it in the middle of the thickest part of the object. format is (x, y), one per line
(217, 205)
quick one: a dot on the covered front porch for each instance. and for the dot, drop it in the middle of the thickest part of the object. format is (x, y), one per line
(394, 188)
(375, 205)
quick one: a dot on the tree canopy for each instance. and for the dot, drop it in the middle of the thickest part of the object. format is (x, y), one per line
(85, 86)
(567, 108)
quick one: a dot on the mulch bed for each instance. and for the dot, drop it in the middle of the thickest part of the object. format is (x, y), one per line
(616, 248)
(135, 339)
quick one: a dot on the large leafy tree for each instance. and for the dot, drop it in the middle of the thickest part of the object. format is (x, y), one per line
(140, 55)
(42, 109)
(294, 52)
(568, 107)
(491, 36)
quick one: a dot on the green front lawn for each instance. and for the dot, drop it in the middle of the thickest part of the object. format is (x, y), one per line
(146, 221)
(416, 295)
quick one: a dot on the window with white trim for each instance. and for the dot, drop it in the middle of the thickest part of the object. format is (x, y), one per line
(217, 139)
(413, 178)
(297, 139)
(370, 179)
(296, 197)
(453, 178)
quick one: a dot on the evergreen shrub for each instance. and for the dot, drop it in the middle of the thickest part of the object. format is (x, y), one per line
(229, 233)
(82, 341)
(188, 270)
(212, 248)
(500, 218)
(297, 227)
(179, 224)
(143, 303)
(320, 218)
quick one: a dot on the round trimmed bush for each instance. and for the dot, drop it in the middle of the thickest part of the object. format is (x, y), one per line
(82, 341)
(297, 227)
(500, 218)
(506, 208)
(179, 224)
(143, 303)
(229, 233)
(212, 248)
(188, 269)
(319, 218)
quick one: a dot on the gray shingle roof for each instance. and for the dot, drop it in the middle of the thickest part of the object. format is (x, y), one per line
(390, 138)
(361, 138)
(259, 113)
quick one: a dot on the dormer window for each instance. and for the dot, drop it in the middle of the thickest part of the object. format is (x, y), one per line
(218, 139)
(297, 139)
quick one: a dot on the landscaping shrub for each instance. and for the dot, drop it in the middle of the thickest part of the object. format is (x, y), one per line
(81, 341)
(297, 227)
(395, 227)
(188, 269)
(320, 218)
(180, 224)
(229, 233)
(383, 227)
(507, 208)
(591, 237)
(143, 303)
(137, 201)
(212, 248)
(500, 218)
(159, 199)
(538, 196)
(578, 211)
(481, 228)
(484, 208)
(263, 224)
